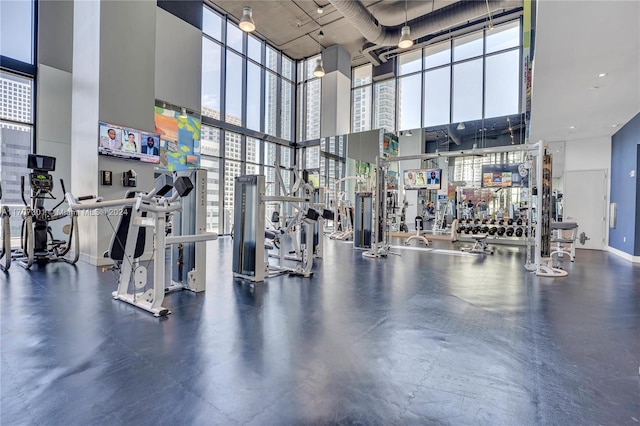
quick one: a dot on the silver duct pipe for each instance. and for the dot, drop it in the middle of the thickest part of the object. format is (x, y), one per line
(433, 23)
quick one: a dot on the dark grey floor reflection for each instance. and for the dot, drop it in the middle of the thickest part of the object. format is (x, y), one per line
(421, 338)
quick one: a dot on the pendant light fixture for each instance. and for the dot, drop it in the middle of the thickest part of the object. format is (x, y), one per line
(405, 34)
(318, 71)
(246, 23)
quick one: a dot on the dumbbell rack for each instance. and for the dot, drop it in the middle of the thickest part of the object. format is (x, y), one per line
(508, 231)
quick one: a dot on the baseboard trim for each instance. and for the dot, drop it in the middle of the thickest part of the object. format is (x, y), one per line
(624, 255)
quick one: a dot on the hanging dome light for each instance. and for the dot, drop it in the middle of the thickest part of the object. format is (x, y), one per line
(246, 23)
(318, 71)
(405, 38)
(405, 33)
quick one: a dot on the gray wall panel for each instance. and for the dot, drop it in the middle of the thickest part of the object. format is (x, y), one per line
(55, 34)
(127, 63)
(178, 61)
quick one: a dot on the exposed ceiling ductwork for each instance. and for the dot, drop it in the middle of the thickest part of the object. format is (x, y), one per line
(442, 19)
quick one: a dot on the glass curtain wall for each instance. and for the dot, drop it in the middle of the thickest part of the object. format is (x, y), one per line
(309, 100)
(248, 85)
(466, 78)
(17, 99)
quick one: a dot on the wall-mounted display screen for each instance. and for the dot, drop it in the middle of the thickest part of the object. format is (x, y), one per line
(179, 139)
(390, 145)
(504, 176)
(124, 142)
(422, 178)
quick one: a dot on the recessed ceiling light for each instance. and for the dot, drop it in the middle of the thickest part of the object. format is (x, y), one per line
(602, 74)
(320, 10)
(572, 127)
(595, 87)
(614, 125)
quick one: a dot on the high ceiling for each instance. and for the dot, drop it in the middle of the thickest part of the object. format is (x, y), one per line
(293, 26)
(576, 41)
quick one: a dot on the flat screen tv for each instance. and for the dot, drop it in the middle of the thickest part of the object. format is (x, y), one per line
(422, 178)
(123, 142)
(504, 176)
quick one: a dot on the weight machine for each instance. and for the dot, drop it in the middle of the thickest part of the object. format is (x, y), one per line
(342, 211)
(144, 211)
(540, 262)
(37, 242)
(249, 261)
(5, 249)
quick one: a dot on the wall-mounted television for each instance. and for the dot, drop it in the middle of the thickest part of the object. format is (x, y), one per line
(504, 176)
(422, 178)
(123, 142)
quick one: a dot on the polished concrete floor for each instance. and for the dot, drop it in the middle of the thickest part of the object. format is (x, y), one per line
(421, 338)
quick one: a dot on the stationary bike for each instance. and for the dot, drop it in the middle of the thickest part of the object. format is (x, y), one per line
(37, 242)
(5, 250)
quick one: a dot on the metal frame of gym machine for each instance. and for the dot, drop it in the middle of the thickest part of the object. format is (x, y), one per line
(249, 260)
(345, 235)
(35, 244)
(149, 210)
(541, 266)
(5, 241)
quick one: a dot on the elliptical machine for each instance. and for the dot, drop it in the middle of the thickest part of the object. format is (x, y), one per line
(5, 250)
(37, 242)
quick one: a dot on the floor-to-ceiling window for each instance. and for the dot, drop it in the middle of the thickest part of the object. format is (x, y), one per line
(17, 74)
(248, 106)
(309, 100)
(468, 77)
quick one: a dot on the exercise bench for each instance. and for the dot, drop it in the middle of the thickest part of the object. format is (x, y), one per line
(481, 245)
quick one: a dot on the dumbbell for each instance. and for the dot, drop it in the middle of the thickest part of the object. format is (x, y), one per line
(475, 230)
(469, 221)
(501, 230)
(501, 222)
(510, 222)
(519, 222)
(484, 229)
(467, 229)
(476, 221)
(492, 230)
(519, 232)
(509, 232)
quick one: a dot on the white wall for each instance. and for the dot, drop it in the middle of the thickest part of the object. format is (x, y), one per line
(336, 104)
(54, 130)
(590, 154)
(84, 114)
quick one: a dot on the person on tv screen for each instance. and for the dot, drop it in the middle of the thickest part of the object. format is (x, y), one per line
(433, 179)
(130, 143)
(150, 147)
(420, 179)
(110, 141)
(410, 180)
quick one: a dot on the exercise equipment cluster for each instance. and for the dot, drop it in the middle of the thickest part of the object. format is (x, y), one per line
(496, 227)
